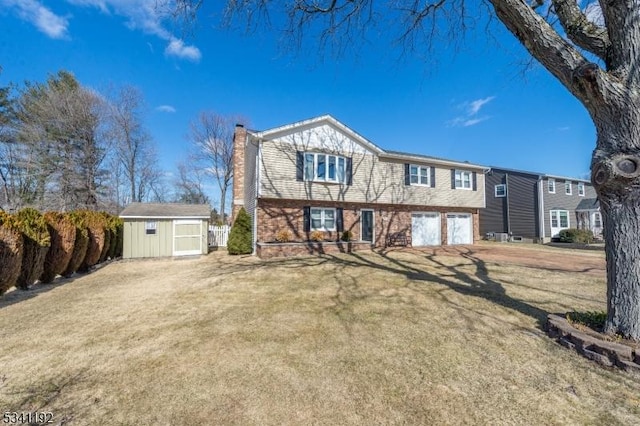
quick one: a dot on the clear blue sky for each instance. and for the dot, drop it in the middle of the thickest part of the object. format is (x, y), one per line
(473, 105)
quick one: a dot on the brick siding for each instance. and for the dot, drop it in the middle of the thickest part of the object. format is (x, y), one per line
(280, 215)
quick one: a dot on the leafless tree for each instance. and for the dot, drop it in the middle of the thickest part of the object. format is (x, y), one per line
(212, 137)
(592, 48)
(133, 147)
(188, 186)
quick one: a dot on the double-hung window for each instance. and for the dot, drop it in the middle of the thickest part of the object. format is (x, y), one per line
(567, 187)
(551, 184)
(419, 175)
(581, 189)
(325, 168)
(323, 219)
(462, 179)
(501, 190)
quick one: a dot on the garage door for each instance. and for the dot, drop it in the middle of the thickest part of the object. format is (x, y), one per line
(425, 229)
(459, 228)
(187, 237)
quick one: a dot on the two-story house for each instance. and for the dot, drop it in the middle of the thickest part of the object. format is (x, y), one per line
(319, 175)
(537, 206)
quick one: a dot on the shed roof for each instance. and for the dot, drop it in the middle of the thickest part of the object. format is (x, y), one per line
(166, 210)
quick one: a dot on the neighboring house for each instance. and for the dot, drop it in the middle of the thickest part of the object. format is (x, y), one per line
(167, 229)
(319, 175)
(537, 206)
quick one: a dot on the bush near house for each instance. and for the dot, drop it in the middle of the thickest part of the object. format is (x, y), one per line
(80, 244)
(36, 241)
(240, 241)
(573, 235)
(10, 251)
(63, 237)
(96, 225)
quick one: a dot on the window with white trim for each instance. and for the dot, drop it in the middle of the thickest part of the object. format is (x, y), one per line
(597, 220)
(501, 190)
(325, 168)
(323, 219)
(559, 219)
(551, 184)
(419, 175)
(567, 187)
(150, 227)
(581, 189)
(462, 179)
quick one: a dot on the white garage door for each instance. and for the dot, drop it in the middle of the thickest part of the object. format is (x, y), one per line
(459, 228)
(425, 229)
(187, 237)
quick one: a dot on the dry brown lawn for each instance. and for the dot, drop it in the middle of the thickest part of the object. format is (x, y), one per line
(404, 337)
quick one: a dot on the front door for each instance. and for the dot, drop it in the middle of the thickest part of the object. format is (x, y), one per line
(559, 221)
(366, 233)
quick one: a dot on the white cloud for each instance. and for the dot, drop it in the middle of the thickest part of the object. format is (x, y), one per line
(141, 15)
(39, 16)
(475, 106)
(471, 110)
(177, 48)
(166, 108)
(145, 16)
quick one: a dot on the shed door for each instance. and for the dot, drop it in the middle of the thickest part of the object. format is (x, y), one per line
(187, 237)
(459, 228)
(425, 229)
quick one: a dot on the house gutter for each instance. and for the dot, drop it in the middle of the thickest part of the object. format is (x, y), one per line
(435, 161)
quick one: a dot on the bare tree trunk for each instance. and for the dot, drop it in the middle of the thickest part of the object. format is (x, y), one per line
(616, 177)
(621, 230)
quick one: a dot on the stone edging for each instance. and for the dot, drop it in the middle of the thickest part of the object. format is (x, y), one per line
(603, 352)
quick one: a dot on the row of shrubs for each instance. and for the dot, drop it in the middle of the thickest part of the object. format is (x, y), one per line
(39, 247)
(572, 235)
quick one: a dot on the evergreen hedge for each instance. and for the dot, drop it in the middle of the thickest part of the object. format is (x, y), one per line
(63, 236)
(11, 245)
(80, 244)
(109, 234)
(240, 241)
(36, 242)
(97, 230)
(115, 249)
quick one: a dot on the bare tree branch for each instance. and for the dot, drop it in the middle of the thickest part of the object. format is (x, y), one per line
(580, 30)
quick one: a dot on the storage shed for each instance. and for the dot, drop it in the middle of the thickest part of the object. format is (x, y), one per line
(165, 229)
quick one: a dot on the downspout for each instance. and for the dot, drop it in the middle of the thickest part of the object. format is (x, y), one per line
(256, 195)
(506, 183)
(541, 209)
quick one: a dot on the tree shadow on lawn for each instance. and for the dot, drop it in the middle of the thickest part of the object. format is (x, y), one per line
(478, 284)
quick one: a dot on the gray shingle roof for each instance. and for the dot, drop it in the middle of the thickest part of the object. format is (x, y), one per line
(588, 204)
(167, 210)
